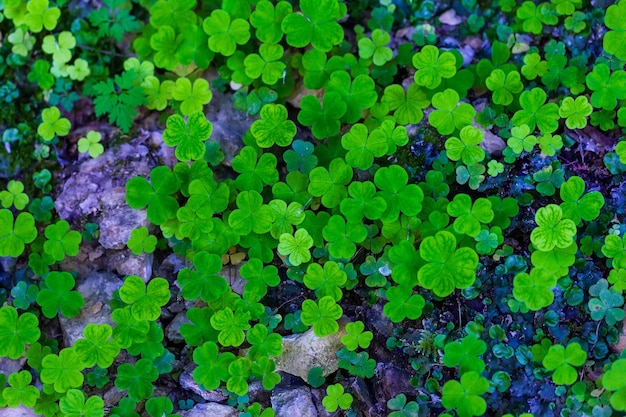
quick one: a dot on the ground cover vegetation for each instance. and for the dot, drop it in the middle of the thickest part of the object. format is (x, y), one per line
(458, 163)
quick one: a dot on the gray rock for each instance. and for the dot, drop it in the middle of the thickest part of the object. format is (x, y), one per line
(232, 276)
(187, 382)
(20, 411)
(98, 191)
(172, 331)
(97, 289)
(302, 352)
(257, 393)
(362, 397)
(391, 381)
(317, 395)
(113, 396)
(171, 265)
(210, 410)
(293, 402)
(126, 263)
(376, 319)
(229, 125)
(9, 366)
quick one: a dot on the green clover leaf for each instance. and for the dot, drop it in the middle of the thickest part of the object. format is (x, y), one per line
(53, 124)
(577, 206)
(615, 247)
(264, 368)
(225, 34)
(464, 354)
(212, 366)
(296, 247)
(137, 379)
(315, 63)
(61, 240)
(530, 14)
(400, 196)
(267, 64)
(285, 217)
(128, 329)
(91, 144)
(188, 138)
(193, 98)
(141, 241)
(267, 19)
(466, 395)
(504, 86)
(239, 371)
(205, 282)
(158, 93)
(74, 405)
(173, 12)
(322, 315)
(158, 196)
(615, 39)
(535, 289)
(258, 278)
(194, 48)
(403, 409)
(363, 202)
(534, 66)
(165, 43)
(607, 87)
(470, 216)
(274, 127)
(575, 112)
(317, 25)
(145, 301)
(40, 74)
(199, 330)
(14, 195)
(613, 380)
(96, 346)
(23, 43)
(376, 48)
(263, 342)
(59, 49)
(356, 337)
(40, 16)
(432, 67)
(79, 71)
(562, 361)
(342, 237)
(20, 391)
(17, 331)
(536, 113)
(406, 263)
(327, 281)
(62, 370)
(231, 326)
(449, 114)
(330, 184)
(253, 174)
(607, 304)
(336, 398)
(521, 140)
(251, 215)
(358, 94)
(467, 147)
(447, 267)
(363, 147)
(322, 117)
(553, 230)
(406, 105)
(56, 296)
